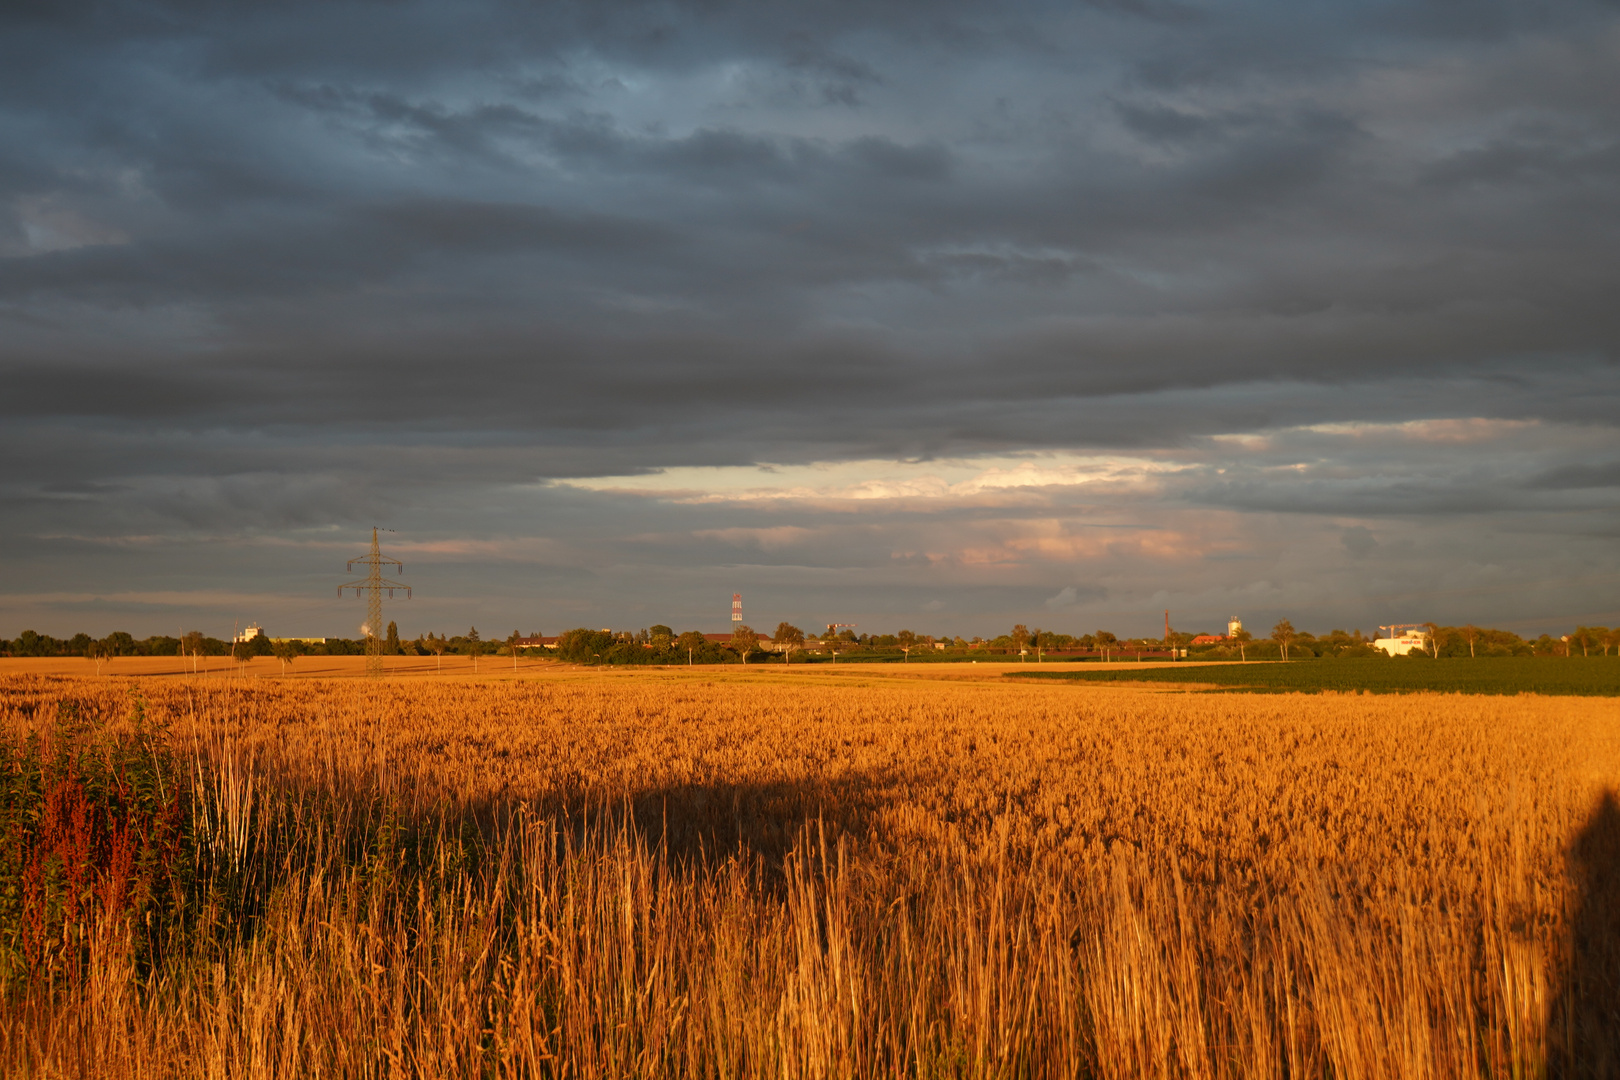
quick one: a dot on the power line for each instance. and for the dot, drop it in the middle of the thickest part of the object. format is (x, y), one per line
(374, 585)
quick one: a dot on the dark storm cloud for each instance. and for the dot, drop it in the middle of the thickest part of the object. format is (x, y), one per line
(1604, 474)
(271, 268)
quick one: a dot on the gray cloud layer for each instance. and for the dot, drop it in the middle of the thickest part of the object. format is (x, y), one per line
(271, 272)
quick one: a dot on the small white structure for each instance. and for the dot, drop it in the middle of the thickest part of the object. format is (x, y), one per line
(250, 633)
(1403, 638)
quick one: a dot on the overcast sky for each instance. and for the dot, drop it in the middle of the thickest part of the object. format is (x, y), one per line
(940, 315)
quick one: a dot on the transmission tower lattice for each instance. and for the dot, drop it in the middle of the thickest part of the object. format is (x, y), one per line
(374, 585)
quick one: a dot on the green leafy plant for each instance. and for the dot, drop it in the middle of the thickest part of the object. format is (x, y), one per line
(95, 840)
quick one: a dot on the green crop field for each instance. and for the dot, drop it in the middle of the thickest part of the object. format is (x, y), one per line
(1595, 676)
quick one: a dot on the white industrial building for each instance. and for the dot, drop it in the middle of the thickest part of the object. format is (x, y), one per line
(1403, 638)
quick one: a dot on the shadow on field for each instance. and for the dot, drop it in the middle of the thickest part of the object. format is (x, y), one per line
(1585, 1018)
(703, 823)
(697, 824)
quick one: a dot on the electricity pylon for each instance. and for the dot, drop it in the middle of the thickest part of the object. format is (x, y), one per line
(374, 586)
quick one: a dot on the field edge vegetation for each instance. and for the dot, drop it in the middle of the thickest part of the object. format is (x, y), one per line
(1562, 676)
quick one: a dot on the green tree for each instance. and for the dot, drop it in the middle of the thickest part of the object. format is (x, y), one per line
(582, 646)
(242, 652)
(1436, 638)
(744, 640)
(789, 639)
(692, 641)
(391, 645)
(436, 646)
(832, 639)
(1470, 634)
(286, 652)
(1242, 637)
(1040, 639)
(1588, 636)
(1019, 637)
(192, 645)
(660, 635)
(98, 651)
(512, 644)
(1284, 634)
(907, 641)
(1105, 641)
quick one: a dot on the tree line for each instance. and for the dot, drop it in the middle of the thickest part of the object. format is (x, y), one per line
(1286, 643)
(660, 644)
(119, 643)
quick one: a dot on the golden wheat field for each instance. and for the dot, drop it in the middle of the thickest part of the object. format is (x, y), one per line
(724, 874)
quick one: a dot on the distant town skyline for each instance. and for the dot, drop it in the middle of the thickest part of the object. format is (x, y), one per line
(940, 316)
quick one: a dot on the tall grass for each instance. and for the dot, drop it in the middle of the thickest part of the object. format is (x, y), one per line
(925, 881)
